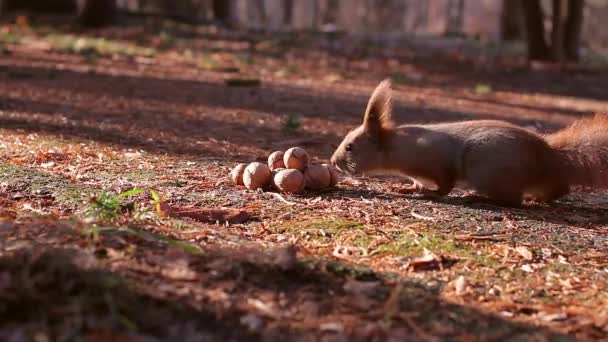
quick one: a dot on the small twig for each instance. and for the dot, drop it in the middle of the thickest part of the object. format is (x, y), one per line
(420, 333)
(497, 237)
(282, 199)
(422, 217)
(392, 305)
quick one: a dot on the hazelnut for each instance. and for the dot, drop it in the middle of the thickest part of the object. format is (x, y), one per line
(256, 176)
(237, 174)
(275, 160)
(334, 176)
(317, 177)
(296, 158)
(289, 180)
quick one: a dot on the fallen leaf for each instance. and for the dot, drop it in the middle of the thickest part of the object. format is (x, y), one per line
(553, 317)
(427, 261)
(47, 165)
(332, 326)
(422, 217)
(360, 287)
(524, 252)
(285, 257)
(132, 155)
(178, 270)
(460, 285)
(527, 268)
(206, 215)
(252, 322)
(478, 237)
(264, 308)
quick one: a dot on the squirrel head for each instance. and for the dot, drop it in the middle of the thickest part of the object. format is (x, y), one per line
(363, 148)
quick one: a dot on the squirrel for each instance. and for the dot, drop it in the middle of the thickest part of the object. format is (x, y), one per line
(500, 161)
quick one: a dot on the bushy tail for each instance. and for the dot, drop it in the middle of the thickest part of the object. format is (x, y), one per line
(583, 151)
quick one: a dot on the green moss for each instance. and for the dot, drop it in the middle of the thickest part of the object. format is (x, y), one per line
(140, 175)
(407, 245)
(30, 181)
(95, 46)
(323, 231)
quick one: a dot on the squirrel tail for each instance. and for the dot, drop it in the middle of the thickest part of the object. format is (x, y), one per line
(582, 150)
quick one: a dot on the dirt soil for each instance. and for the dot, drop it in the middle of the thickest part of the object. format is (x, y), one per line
(188, 256)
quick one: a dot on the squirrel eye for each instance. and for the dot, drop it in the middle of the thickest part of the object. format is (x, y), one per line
(349, 147)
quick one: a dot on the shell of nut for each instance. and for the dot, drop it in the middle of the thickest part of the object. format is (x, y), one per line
(275, 160)
(317, 177)
(289, 181)
(274, 172)
(237, 173)
(296, 158)
(256, 176)
(334, 177)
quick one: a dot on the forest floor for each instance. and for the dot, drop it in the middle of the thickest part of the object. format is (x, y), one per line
(118, 220)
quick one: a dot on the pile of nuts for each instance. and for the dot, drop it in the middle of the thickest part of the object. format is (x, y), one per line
(288, 171)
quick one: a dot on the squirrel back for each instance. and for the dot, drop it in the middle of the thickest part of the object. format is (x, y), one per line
(583, 151)
(498, 160)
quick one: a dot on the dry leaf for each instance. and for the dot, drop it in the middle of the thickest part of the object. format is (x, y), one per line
(553, 317)
(263, 308)
(524, 252)
(332, 326)
(286, 257)
(422, 217)
(252, 322)
(460, 285)
(527, 268)
(206, 215)
(427, 261)
(360, 287)
(178, 270)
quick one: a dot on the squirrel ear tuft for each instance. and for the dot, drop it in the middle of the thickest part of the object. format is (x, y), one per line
(379, 109)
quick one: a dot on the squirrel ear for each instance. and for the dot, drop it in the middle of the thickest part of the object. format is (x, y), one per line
(379, 109)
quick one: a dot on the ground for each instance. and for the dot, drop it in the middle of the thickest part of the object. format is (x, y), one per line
(119, 221)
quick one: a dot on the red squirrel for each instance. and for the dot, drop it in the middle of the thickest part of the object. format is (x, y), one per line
(500, 161)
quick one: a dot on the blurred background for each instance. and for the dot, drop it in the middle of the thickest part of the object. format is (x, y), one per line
(99, 98)
(550, 29)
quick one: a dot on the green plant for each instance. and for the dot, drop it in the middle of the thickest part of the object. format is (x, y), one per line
(166, 40)
(107, 207)
(291, 123)
(483, 89)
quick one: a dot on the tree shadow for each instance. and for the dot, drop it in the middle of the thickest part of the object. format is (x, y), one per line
(520, 78)
(177, 116)
(585, 211)
(455, 67)
(53, 287)
(569, 112)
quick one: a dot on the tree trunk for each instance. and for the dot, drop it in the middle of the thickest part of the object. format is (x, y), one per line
(330, 15)
(511, 22)
(287, 13)
(557, 30)
(535, 31)
(49, 6)
(260, 7)
(573, 27)
(95, 13)
(222, 11)
(455, 12)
